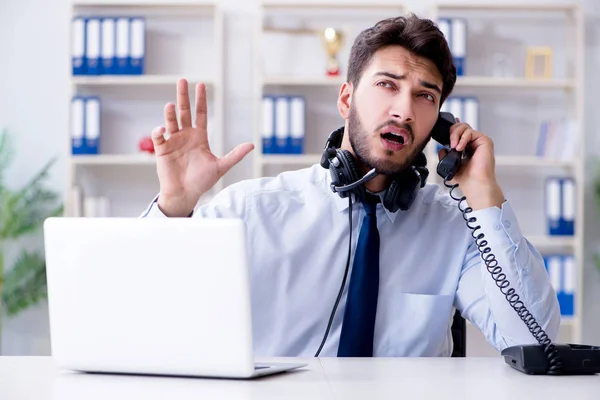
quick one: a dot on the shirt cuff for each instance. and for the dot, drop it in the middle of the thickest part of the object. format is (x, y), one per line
(500, 223)
(153, 211)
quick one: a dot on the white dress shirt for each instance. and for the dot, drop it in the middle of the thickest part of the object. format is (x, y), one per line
(297, 234)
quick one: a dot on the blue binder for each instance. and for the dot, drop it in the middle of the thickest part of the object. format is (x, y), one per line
(568, 292)
(458, 44)
(92, 125)
(268, 125)
(78, 48)
(553, 199)
(567, 215)
(108, 52)
(122, 49)
(444, 26)
(282, 124)
(137, 45)
(77, 125)
(93, 45)
(296, 114)
(471, 111)
(563, 276)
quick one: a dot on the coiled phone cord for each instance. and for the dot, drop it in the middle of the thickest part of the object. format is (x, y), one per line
(500, 279)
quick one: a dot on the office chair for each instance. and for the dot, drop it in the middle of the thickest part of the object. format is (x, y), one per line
(459, 335)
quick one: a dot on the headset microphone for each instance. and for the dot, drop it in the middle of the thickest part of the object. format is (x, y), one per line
(343, 188)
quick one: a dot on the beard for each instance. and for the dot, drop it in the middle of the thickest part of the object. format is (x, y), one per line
(359, 140)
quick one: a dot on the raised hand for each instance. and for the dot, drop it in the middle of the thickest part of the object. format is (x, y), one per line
(186, 166)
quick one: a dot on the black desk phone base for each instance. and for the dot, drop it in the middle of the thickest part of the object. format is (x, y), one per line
(576, 359)
(545, 357)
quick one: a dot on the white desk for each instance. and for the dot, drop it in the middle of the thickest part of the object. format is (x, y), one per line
(36, 378)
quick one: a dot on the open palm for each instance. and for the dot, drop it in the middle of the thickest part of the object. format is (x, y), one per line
(186, 166)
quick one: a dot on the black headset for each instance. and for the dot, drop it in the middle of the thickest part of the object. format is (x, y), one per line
(345, 179)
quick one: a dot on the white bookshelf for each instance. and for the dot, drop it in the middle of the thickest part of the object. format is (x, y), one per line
(184, 39)
(306, 79)
(520, 171)
(524, 173)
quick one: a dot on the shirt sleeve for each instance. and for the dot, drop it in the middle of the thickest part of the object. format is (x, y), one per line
(153, 211)
(228, 203)
(482, 302)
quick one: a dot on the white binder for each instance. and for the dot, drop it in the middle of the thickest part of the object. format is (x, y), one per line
(555, 272)
(268, 125)
(444, 26)
(552, 206)
(92, 125)
(455, 107)
(108, 55)
(471, 112)
(77, 126)
(568, 206)
(92, 46)
(78, 58)
(138, 45)
(297, 125)
(281, 124)
(122, 47)
(458, 44)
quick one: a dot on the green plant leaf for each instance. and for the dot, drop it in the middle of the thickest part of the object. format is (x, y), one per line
(25, 284)
(24, 211)
(6, 153)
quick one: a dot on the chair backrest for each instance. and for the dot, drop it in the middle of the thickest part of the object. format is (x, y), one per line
(459, 335)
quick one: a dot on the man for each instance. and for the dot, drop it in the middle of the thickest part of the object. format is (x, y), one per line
(398, 299)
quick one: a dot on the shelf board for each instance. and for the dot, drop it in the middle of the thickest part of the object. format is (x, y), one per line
(348, 4)
(546, 242)
(568, 321)
(133, 80)
(498, 6)
(491, 82)
(291, 159)
(143, 3)
(531, 161)
(303, 80)
(114, 159)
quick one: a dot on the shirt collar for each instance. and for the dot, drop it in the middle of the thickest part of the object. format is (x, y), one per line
(342, 203)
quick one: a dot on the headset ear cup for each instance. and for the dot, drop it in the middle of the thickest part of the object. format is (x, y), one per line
(349, 174)
(412, 184)
(391, 200)
(402, 192)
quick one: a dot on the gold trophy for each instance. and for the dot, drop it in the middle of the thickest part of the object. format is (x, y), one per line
(333, 41)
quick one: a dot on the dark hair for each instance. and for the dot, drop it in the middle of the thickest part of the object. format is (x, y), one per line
(418, 35)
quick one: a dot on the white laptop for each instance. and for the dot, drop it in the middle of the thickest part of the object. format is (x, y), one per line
(159, 296)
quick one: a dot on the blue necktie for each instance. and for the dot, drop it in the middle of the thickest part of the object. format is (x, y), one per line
(356, 339)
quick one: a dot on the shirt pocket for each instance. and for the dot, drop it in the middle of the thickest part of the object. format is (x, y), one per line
(418, 325)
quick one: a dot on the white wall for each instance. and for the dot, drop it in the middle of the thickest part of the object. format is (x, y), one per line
(34, 76)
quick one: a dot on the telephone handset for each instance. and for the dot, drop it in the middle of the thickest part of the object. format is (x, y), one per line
(546, 357)
(451, 162)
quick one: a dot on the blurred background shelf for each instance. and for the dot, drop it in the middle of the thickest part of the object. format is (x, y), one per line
(517, 83)
(133, 80)
(114, 159)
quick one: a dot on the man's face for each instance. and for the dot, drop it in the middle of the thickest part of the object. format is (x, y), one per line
(393, 109)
